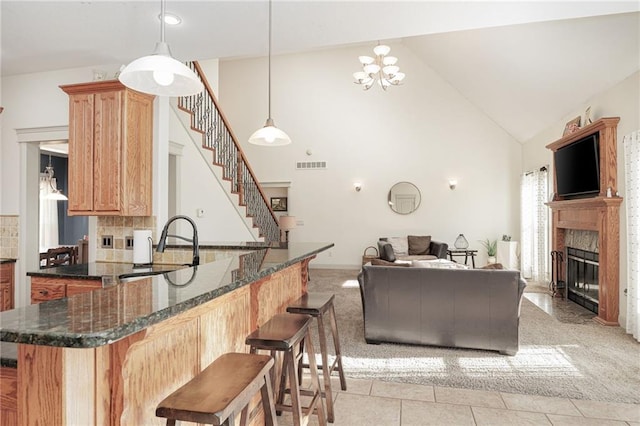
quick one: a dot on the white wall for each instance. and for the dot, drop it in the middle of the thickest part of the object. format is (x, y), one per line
(621, 100)
(198, 188)
(35, 100)
(424, 132)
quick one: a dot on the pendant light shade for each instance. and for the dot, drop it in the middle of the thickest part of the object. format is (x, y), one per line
(159, 73)
(269, 135)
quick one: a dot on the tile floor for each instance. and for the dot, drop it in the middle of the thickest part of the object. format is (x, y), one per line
(371, 402)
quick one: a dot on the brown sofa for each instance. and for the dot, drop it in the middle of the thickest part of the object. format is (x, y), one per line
(466, 308)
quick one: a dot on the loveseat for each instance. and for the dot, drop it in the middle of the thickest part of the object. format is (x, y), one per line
(465, 308)
(410, 248)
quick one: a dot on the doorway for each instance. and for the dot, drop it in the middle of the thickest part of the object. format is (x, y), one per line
(56, 227)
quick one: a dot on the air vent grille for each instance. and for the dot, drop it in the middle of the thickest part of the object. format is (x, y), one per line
(311, 165)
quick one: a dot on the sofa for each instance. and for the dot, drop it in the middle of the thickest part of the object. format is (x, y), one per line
(451, 307)
(411, 247)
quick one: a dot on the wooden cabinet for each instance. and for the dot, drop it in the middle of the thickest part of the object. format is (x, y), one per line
(8, 396)
(45, 289)
(6, 286)
(110, 149)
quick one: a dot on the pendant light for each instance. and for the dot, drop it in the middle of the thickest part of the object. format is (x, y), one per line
(269, 135)
(159, 73)
(55, 193)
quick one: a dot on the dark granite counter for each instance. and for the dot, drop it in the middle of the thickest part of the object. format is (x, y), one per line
(104, 316)
(101, 270)
(5, 260)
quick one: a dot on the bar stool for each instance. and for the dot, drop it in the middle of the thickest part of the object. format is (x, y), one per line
(221, 390)
(317, 305)
(284, 333)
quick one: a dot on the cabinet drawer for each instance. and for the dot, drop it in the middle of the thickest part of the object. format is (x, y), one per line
(45, 292)
(83, 288)
(6, 273)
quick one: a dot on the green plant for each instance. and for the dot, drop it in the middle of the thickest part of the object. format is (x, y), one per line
(491, 246)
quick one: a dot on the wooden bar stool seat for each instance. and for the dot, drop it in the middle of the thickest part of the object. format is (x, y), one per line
(221, 390)
(284, 333)
(317, 305)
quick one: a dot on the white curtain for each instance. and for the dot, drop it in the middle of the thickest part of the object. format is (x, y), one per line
(534, 250)
(48, 216)
(632, 199)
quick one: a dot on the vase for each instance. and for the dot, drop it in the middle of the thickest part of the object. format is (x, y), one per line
(461, 242)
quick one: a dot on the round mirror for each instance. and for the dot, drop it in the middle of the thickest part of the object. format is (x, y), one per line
(404, 198)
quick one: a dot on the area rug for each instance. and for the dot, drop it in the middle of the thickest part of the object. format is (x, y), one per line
(581, 361)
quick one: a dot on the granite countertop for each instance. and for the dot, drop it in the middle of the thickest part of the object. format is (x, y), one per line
(109, 272)
(106, 315)
(5, 260)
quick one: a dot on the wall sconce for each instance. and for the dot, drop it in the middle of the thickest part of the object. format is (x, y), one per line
(452, 184)
(357, 186)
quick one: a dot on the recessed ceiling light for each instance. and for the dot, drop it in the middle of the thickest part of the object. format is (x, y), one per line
(170, 18)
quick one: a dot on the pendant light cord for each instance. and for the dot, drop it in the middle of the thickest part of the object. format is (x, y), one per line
(162, 11)
(269, 73)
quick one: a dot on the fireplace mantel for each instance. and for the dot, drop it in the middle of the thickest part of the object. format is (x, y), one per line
(600, 214)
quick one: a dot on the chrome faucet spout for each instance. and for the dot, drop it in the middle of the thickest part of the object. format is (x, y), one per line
(162, 243)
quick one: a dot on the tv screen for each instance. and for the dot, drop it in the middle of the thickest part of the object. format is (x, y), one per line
(578, 168)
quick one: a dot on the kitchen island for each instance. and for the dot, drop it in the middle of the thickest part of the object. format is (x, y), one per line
(109, 356)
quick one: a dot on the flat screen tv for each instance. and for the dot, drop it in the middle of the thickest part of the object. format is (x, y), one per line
(578, 168)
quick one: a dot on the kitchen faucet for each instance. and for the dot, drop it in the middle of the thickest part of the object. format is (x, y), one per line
(194, 241)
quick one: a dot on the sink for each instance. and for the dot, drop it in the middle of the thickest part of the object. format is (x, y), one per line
(147, 272)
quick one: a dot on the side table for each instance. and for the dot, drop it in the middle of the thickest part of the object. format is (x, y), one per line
(467, 253)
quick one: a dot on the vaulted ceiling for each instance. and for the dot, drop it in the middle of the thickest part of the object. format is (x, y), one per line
(525, 64)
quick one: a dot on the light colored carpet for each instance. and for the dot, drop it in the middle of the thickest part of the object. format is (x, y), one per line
(582, 361)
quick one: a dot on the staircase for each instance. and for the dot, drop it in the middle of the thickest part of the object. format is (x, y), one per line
(217, 137)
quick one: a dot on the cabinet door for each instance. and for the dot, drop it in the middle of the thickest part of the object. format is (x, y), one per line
(5, 297)
(6, 286)
(107, 154)
(80, 153)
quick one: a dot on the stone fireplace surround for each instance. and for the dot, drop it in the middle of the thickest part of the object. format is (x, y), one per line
(600, 214)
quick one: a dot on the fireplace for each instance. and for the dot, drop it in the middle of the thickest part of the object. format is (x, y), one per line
(600, 214)
(582, 278)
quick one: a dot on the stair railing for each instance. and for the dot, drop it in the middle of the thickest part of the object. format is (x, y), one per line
(208, 119)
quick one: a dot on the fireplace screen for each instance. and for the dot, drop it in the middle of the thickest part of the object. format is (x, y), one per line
(582, 278)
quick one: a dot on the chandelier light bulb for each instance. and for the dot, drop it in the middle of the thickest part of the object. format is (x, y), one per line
(389, 60)
(381, 68)
(391, 69)
(163, 78)
(371, 68)
(381, 50)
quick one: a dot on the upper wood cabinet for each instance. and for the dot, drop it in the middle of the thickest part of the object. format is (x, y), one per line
(110, 149)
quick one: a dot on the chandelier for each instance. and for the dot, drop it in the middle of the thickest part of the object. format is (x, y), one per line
(382, 68)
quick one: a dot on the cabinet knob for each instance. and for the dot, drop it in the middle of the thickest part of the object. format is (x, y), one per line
(44, 292)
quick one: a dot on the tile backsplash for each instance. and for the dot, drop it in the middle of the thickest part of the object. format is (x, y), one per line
(9, 236)
(119, 228)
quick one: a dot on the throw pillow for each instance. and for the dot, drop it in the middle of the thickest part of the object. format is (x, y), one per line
(380, 262)
(492, 266)
(400, 245)
(419, 245)
(386, 251)
(438, 263)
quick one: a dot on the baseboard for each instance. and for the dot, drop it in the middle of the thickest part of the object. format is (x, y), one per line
(329, 266)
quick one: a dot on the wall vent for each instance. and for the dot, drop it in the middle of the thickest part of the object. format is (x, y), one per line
(311, 165)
